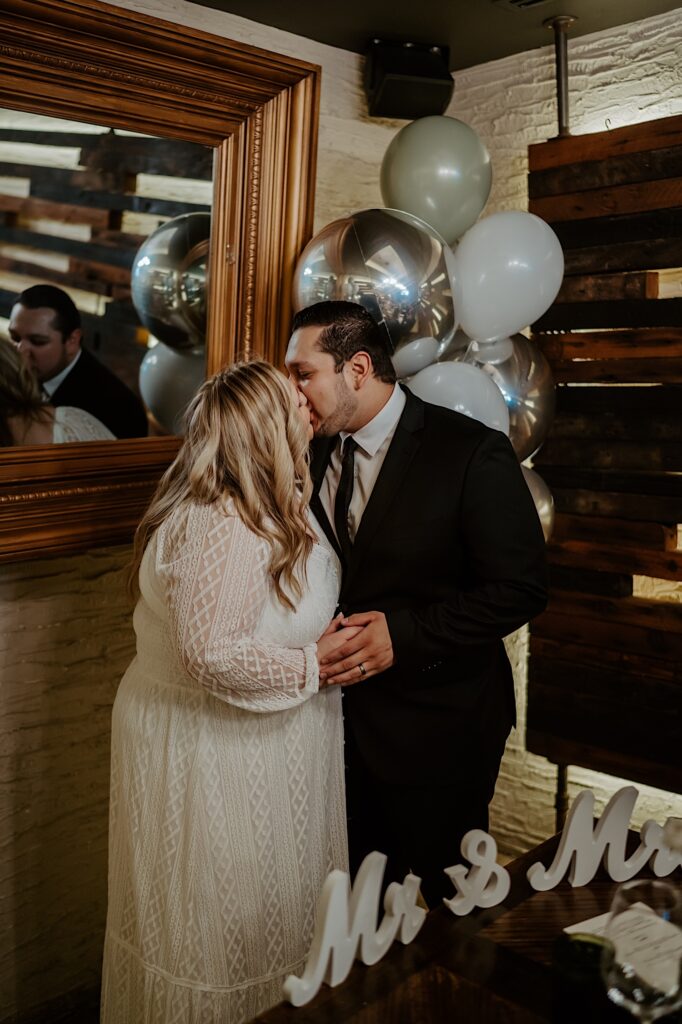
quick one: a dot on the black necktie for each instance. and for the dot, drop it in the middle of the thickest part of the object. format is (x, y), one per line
(343, 497)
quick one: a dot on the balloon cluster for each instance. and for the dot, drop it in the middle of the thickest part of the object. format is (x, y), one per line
(452, 294)
(168, 286)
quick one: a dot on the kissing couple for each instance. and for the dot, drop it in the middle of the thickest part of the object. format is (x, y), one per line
(320, 537)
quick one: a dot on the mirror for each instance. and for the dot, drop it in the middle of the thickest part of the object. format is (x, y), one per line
(255, 113)
(104, 238)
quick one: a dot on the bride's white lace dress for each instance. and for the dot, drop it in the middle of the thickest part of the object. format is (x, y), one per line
(227, 791)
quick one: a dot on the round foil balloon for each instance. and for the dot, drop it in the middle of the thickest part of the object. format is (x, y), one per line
(414, 356)
(465, 389)
(169, 381)
(508, 270)
(388, 261)
(168, 281)
(521, 372)
(438, 169)
(544, 502)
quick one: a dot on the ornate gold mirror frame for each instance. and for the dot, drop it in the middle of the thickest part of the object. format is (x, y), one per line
(86, 61)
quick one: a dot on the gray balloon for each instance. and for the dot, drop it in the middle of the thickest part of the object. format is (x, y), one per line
(544, 502)
(388, 261)
(169, 381)
(168, 281)
(524, 377)
(438, 169)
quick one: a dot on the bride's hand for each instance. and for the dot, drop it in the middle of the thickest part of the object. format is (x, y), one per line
(333, 638)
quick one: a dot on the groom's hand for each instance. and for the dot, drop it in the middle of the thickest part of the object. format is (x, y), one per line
(371, 648)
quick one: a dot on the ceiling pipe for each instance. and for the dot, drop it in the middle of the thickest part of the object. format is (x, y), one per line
(560, 25)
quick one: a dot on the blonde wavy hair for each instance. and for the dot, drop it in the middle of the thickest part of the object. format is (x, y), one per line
(244, 440)
(19, 391)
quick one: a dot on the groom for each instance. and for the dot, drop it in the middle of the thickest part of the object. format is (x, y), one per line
(443, 555)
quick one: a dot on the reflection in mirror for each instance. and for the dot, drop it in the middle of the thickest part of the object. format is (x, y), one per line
(103, 251)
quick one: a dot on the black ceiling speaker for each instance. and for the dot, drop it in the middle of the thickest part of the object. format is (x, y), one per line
(407, 80)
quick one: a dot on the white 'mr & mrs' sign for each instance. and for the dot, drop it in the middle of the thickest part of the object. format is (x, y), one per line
(346, 927)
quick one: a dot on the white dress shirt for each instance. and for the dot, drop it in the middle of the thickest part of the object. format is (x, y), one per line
(50, 386)
(373, 441)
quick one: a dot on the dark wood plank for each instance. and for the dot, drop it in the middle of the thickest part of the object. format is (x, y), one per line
(151, 155)
(659, 484)
(614, 659)
(632, 227)
(85, 282)
(645, 355)
(650, 254)
(609, 202)
(665, 565)
(631, 611)
(616, 425)
(64, 212)
(615, 532)
(104, 251)
(645, 343)
(637, 403)
(614, 170)
(628, 313)
(651, 456)
(634, 138)
(91, 269)
(618, 371)
(623, 765)
(614, 504)
(622, 713)
(594, 287)
(593, 632)
(587, 581)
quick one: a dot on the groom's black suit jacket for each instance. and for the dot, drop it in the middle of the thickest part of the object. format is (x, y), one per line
(450, 548)
(92, 386)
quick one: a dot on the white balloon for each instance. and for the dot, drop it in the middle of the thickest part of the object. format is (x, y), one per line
(465, 389)
(508, 271)
(544, 502)
(169, 380)
(414, 356)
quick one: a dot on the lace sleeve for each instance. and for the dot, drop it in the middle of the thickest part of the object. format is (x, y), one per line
(71, 424)
(215, 572)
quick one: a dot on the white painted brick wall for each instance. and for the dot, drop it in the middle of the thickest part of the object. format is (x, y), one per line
(65, 629)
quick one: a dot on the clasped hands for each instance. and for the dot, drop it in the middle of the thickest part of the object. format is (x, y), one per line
(354, 648)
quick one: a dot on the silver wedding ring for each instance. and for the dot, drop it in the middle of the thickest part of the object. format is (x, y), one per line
(363, 670)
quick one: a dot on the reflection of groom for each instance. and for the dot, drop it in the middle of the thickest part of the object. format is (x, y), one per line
(443, 556)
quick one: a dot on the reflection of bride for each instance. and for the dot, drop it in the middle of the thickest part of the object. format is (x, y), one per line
(26, 419)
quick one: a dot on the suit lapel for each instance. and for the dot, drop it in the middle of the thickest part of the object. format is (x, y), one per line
(321, 453)
(401, 451)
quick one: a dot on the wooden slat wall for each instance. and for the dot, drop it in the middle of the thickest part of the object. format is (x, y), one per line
(79, 227)
(605, 673)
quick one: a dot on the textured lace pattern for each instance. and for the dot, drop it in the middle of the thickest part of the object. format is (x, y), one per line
(223, 823)
(71, 424)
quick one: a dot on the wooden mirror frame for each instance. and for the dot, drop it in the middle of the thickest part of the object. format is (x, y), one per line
(87, 61)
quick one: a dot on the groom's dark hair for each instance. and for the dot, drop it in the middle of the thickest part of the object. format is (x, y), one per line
(348, 328)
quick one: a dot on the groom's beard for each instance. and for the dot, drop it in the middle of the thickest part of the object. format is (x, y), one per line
(341, 415)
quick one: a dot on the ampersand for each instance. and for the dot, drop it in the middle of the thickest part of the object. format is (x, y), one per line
(485, 884)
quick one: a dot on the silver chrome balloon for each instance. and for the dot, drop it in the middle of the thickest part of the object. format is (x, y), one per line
(524, 377)
(169, 380)
(388, 261)
(544, 502)
(168, 281)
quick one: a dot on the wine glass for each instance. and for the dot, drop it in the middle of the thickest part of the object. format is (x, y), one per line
(642, 968)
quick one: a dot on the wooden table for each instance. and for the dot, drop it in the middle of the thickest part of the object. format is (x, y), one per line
(491, 967)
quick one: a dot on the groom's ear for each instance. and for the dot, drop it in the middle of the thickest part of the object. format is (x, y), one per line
(361, 368)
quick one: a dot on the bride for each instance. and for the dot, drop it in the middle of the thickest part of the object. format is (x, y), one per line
(227, 794)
